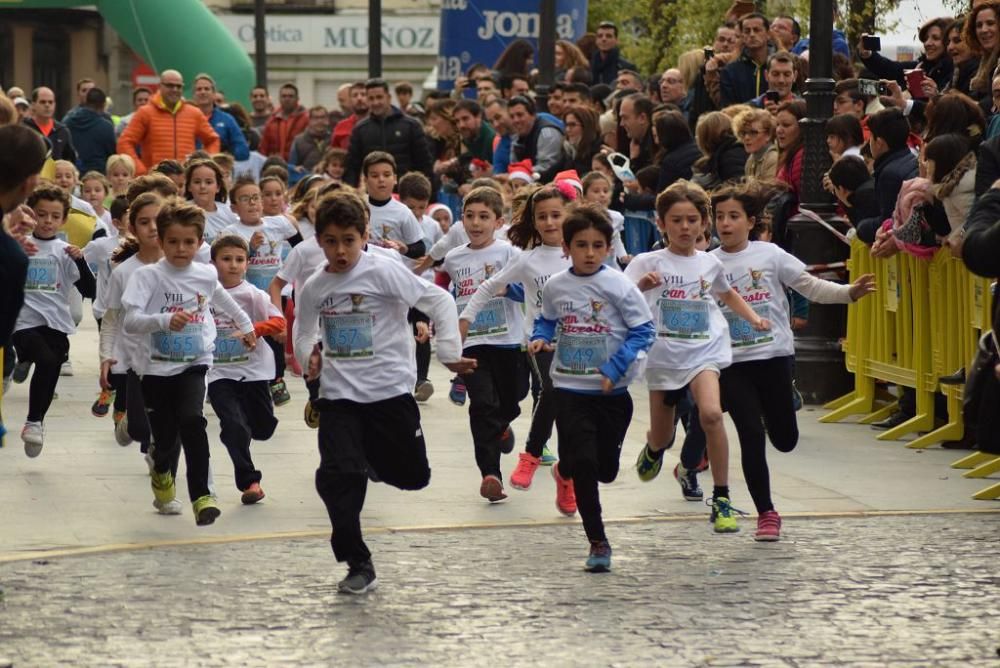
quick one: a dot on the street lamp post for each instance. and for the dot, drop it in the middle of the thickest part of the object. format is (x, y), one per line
(374, 38)
(260, 42)
(546, 52)
(819, 361)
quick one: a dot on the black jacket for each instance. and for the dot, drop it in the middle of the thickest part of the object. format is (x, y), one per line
(891, 170)
(727, 162)
(987, 164)
(741, 81)
(674, 165)
(13, 274)
(940, 70)
(864, 204)
(981, 249)
(60, 140)
(605, 70)
(400, 135)
(93, 138)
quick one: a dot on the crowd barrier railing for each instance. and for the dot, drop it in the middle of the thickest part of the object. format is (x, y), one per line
(923, 322)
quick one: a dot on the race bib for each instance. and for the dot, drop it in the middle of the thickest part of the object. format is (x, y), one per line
(183, 346)
(229, 348)
(581, 354)
(348, 336)
(683, 319)
(261, 275)
(742, 334)
(492, 320)
(43, 274)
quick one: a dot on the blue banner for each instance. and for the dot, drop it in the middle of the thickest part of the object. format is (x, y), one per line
(477, 31)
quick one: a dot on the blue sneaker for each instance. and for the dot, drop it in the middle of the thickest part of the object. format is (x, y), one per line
(599, 560)
(457, 392)
(688, 480)
(796, 398)
(548, 459)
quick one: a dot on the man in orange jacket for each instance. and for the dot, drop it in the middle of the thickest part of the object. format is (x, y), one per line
(167, 127)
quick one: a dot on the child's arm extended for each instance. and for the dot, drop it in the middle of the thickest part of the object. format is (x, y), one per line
(223, 301)
(438, 305)
(827, 292)
(488, 289)
(273, 323)
(732, 299)
(639, 339)
(305, 332)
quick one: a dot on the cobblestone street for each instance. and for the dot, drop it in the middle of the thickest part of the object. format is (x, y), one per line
(888, 590)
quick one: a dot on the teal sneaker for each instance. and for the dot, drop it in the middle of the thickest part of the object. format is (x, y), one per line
(648, 464)
(548, 459)
(599, 560)
(724, 515)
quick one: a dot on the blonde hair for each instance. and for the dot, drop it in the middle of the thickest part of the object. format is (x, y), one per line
(689, 63)
(120, 160)
(735, 110)
(96, 176)
(66, 163)
(745, 120)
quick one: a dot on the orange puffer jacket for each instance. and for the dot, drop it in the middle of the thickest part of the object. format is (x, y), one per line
(162, 134)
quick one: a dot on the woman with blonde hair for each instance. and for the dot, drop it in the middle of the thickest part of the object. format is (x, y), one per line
(755, 129)
(723, 158)
(568, 56)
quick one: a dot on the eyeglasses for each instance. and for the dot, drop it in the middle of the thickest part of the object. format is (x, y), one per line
(176, 86)
(248, 199)
(751, 133)
(572, 124)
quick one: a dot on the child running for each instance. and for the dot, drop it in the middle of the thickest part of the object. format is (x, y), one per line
(604, 327)
(167, 305)
(597, 189)
(204, 185)
(493, 339)
(757, 388)
(681, 284)
(44, 323)
(538, 232)
(369, 420)
(239, 378)
(94, 190)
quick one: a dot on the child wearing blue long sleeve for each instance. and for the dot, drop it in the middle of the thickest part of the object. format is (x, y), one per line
(602, 327)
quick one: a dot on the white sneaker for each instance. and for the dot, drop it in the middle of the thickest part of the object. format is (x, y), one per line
(172, 507)
(33, 436)
(67, 369)
(121, 432)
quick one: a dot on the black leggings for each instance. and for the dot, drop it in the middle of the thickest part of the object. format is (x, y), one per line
(48, 349)
(544, 414)
(118, 382)
(752, 391)
(278, 348)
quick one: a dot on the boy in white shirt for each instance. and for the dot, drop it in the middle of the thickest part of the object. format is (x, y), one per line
(392, 225)
(238, 380)
(167, 305)
(369, 420)
(494, 339)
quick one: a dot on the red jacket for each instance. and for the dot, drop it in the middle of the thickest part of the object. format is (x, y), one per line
(341, 137)
(281, 130)
(163, 134)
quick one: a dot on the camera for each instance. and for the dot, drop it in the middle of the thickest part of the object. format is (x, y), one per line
(872, 88)
(871, 43)
(709, 53)
(772, 95)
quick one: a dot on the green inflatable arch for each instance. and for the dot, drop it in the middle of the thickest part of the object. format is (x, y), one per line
(171, 34)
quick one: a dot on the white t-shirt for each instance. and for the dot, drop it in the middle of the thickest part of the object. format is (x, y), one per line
(306, 228)
(499, 321)
(595, 313)
(360, 315)
(759, 273)
(125, 346)
(265, 262)
(617, 245)
(531, 268)
(204, 254)
(691, 332)
(218, 220)
(230, 359)
(82, 205)
(394, 221)
(51, 275)
(432, 234)
(97, 253)
(159, 290)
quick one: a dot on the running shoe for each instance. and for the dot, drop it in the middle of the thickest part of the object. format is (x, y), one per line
(423, 391)
(565, 494)
(599, 560)
(548, 459)
(723, 515)
(796, 398)
(33, 435)
(21, 371)
(457, 393)
(66, 369)
(688, 480)
(121, 429)
(103, 404)
(491, 489)
(311, 415)
(524, 472)
(252, 494)
(163, 486)
(279, 393)
(507, 441)
(768, 526)
(174, 507)
(360, 580)
(206, 510)
(648, 464)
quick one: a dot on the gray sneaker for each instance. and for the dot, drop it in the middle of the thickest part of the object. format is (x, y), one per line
(359, 580)
(121, 432)
(423, 391)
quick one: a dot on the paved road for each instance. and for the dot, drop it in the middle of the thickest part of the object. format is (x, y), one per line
(893, 590)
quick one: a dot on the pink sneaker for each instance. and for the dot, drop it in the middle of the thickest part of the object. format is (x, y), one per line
(491, 489)
(565, 495)
(524, 471)
(768, 526)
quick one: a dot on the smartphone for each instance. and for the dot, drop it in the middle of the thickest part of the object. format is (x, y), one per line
(871, 43)
(709, 53)
(883, 88)
(772, 95)
(868, 87)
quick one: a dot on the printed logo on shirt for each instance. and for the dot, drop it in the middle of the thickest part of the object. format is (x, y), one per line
(356, 301)
(595, 311)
